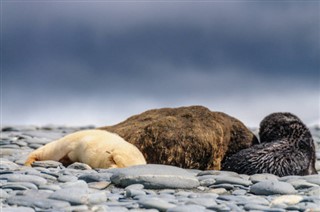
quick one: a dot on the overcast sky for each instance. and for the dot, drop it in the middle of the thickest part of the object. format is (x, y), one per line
(99, 62)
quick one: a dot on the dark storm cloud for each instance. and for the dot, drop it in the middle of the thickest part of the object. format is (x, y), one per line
(166, 52)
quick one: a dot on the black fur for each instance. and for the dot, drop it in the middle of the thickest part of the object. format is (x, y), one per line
(286, 148)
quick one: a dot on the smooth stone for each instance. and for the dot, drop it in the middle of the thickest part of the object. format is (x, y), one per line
(99, 185)
(135, 186)
(314, 179)
(35, 146)
(10, 146)
(47, 164)
(308, 206)
(220, 208)
(218, 191)
(205, 202)
(79, 166)
(187, 208)
(239, 192)
(30, 201)
(51, 187)
(235, 199)
(263, 177)
(232, 180)
(134, 192)
(15, 187)
(78, 196)
(96, 177)
(19, 186)
(257, 200)
(287, 199)
(50, 204)
(167, 191)
(301, 184)
(77, 208)
(313, 192)
(79, 184)
(155, 176)
(37, 141)
(156, 203)
(17, 209)
(67, 178)
(224, 186)
(23, 178)
(216, 172)
(251, 206)
(207, 182)
(272, 187)
(3, 194)
(183, 193)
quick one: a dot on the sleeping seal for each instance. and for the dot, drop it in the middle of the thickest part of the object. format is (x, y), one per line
(286, 148)
(97, 148)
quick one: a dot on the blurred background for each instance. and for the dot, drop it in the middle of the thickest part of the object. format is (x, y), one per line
(97, 63)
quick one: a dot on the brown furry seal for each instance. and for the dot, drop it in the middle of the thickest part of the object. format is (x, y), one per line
(286, 148)
(188, 137)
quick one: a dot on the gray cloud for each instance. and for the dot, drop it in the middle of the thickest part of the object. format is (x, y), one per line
(94, 57)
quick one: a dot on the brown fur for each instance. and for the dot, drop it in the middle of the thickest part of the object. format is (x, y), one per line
(97, 148)
(188, 137)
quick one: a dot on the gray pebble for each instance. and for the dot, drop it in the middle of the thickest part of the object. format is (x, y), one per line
(77, 208)
(308, 206)
(263, 177)
(272, 187)
(220, 208)
(79, 166)
(67, 178)
(187, 208)
(207, 182)
(155, 176)
(99, 185)
(3, 194)
(51, 187)
(216, 172)
(47, 164)
(225, 186)
(8, 165)
(301, 184)
(78, 196)
(314, 179)
(313, 192)
(130, 192)
(10, 146)
(156, 203)
(135, 186)
(79, 184)
(250, 206)
(23, 178)
(167, 191)
(17, 209)
(239, 192)
(205, 202)
(232, 180)
(95, 177)
(19, 186)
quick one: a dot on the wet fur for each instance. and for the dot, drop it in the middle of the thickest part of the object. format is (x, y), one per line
(97, 148)
(286, 148)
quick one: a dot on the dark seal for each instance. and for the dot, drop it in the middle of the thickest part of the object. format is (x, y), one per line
(286, 148)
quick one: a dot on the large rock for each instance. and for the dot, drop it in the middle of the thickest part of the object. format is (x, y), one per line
(187, 137)
(154, 176)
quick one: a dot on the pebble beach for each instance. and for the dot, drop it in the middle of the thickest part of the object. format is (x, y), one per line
(49, 186)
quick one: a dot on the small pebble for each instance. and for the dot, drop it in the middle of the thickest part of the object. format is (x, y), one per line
(272, 187)
(287, 199)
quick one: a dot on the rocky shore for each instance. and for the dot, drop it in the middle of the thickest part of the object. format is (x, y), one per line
(49, 186)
